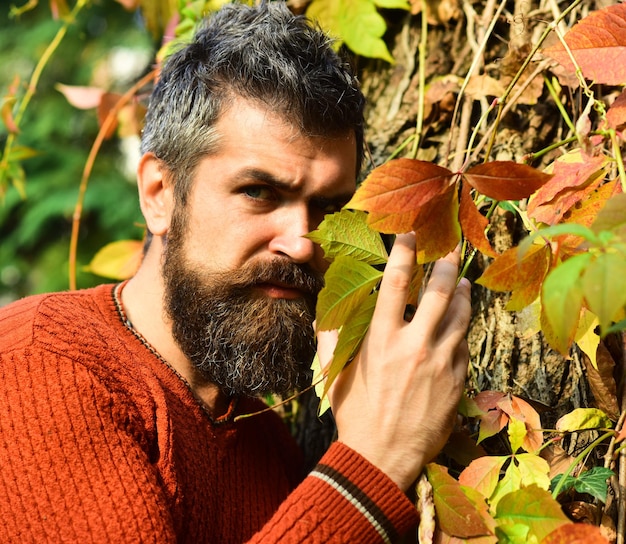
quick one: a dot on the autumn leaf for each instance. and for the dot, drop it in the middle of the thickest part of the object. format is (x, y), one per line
(575, 533)
(575, 177)
(83, 98)
(346, 233)
(533, 507)
(522, 276)
(436, 227)
(601, 379)
(509, 483)
(585, 213)
(456, 514)
(505, 180)
(348, 283)
(581, 419)
(483, 474)
(598, 44)
(473, 223)
(616, 114)
(400, 186)
(117, 260)
(533, 470)
(562, 299)
(586, 338)
(517, 408)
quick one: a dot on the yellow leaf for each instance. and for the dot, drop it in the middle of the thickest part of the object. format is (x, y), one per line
(586, 338)
(117, 260)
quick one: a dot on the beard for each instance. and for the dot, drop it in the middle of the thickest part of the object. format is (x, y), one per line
(236, 337)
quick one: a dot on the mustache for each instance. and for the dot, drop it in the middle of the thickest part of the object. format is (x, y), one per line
(285, 272)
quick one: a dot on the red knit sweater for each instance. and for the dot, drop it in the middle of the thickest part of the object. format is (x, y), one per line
(100, 441)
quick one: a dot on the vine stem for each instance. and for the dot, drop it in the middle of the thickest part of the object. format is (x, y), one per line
(34, 80)
(95, 148)
(422, 48)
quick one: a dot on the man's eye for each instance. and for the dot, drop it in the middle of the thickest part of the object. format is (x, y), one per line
(259, 192)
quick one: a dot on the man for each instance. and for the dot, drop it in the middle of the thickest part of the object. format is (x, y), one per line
(118, 404)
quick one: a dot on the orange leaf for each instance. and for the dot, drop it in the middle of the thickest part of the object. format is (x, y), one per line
(520, 409)
(505, 180)
(456, 514)
(436, 226)
(575, 533)
(584, 213)
(483, 474)
(572, 182)
(523, 277)
(616, 114)
(400, 186)
(598, 43)
(473, 223)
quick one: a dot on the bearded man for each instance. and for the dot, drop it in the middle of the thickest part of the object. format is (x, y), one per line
(118, 404)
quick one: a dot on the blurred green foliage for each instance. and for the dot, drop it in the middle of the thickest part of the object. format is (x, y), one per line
(106, 46)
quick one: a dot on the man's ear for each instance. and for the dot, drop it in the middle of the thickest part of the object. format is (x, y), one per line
(156, 196)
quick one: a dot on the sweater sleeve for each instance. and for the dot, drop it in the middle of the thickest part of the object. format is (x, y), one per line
(73, 468)
(344, 499)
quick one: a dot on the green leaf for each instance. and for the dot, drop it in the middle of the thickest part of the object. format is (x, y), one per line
(348, 283)
(604, 286)
(533, 507)
(612, 217)
(592, 482)
(562, 298)
(355, 22)
(510, 482)
(393, 4)
(582, 419)
(350, 338)
(346, 233)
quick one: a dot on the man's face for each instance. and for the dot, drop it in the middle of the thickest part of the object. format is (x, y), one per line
(241, 281)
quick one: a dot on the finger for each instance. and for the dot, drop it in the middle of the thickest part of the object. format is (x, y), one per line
(438, 294)
(453, 326)
(326, 343)
(396, 280)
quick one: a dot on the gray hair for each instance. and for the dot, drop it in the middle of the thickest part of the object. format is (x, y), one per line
(265, 54)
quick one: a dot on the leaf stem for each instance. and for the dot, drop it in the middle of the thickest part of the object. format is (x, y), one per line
(619, 159)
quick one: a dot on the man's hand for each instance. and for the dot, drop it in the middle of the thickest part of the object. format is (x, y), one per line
(396, 402)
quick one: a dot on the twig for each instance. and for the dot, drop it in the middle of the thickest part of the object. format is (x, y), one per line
(95, 148)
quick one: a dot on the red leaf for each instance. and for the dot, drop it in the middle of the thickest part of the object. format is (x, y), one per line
(488, 400)
(473, 223)
(505, 180)
(572, 182)
(575, 533)
(400, 185)
(598, 43)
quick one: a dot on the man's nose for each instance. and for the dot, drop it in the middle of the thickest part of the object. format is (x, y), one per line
(289, 236)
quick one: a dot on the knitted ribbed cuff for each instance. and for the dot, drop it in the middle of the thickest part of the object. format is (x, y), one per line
(380, 501)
